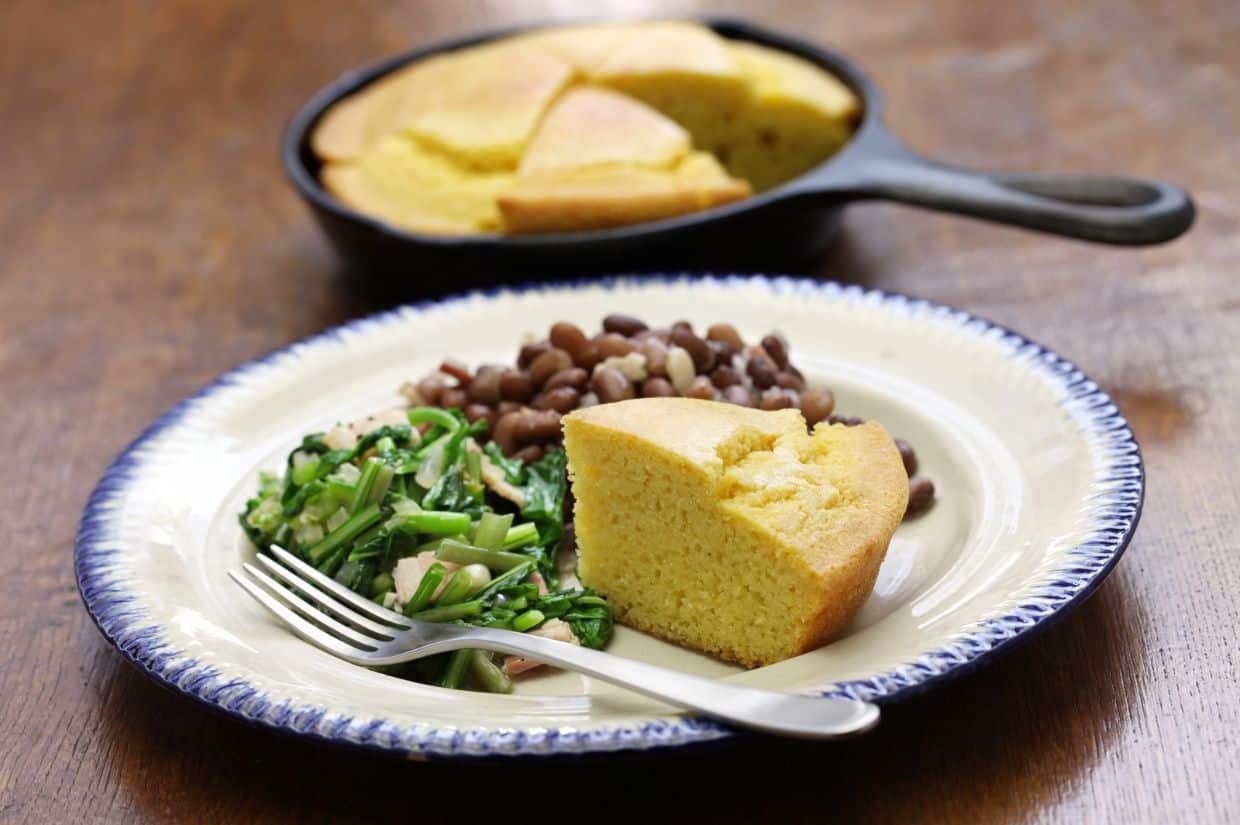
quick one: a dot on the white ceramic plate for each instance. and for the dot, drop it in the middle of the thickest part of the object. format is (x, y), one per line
(1039, 479)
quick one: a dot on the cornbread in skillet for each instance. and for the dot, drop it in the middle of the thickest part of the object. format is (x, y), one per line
(530, 133)
(602, 159)
(413, 187)
(728, 529)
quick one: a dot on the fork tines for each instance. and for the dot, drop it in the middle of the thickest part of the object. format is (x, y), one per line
(318, 608)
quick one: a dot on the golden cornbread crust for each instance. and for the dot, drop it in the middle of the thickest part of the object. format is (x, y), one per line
(731, 530)
(579, 127)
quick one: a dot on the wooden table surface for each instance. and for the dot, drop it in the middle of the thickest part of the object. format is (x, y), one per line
(148, 241)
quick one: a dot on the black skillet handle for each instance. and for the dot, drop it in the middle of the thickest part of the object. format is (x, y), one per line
(1110, 210)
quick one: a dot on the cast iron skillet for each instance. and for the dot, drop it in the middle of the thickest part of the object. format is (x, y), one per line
(785, 228)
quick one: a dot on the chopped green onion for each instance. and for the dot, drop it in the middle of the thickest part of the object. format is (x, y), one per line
(498, 617)
(492, 530)
(406, 506)
(347, 573)
(381, 584)
(309, 534)
(426, 588)
(350, 529)
(473, 466)
(518, 604)
(513, 577)
(458, 553)
(433, 522)
(457, 588)
(337, 489)
(520, 535)
(528, 620)
(337, 518)
(431, 467)
(456, 668)
(380, 487)
(305, 470)
(443, 418)
(487, 674)
(448, 612)
(361, 493)
(333, 562)
(434, 544)
(385, 444)
(346, 474)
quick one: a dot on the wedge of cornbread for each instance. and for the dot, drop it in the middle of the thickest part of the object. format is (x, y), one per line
(590, 127)
(602, 159)
(795, 116)
(414, 186)
(731, 530)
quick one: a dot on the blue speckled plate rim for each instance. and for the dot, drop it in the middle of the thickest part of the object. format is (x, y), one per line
(1114, 512)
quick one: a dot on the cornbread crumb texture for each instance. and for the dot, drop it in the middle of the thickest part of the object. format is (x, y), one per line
(731, 530)
(579, 127)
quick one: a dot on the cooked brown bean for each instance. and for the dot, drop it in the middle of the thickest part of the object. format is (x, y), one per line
(701, 388)
(611, 385)
(727, 334)
(777, 349)
(920, 495)
(789, 380)
(484, 387)
(657, 388)
(701, 353)
(548, 364)
(682, 324)
(816, 404)
(908, 456)
(589, 357)
(516, 386)
(568, 336)
(737, 394)
(724, 376)
(530, 453)
(656, 355)
(524, 427)
(723, 351)
(612, 345)
(760, 368)
(475, 412)
(846, 420)
(777, 398)
(430, 388)
(453, 398)
(561, 399)
(506, 407)
(571, 377)
(531, 351)
(455, 369)
(626, 325)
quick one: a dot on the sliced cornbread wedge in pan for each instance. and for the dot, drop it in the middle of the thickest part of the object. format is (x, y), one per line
(602, 159)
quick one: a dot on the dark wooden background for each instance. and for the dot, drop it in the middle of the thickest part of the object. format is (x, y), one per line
(148, 242)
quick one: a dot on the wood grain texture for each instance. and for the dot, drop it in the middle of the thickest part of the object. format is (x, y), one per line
(148, 242)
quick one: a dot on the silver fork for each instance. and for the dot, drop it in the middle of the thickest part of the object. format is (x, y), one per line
(368, 634)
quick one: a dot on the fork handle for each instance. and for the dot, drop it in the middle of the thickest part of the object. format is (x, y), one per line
(787, 714)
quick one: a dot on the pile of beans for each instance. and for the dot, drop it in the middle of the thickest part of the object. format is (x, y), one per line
(522, 404)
